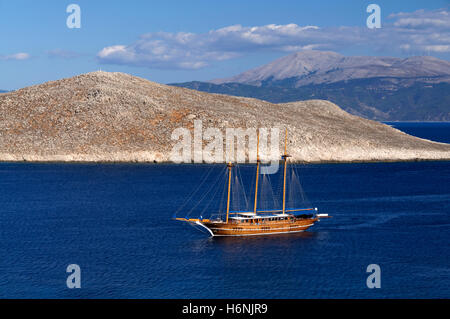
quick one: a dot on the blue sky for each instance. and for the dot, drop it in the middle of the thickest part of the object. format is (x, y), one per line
(177, 41)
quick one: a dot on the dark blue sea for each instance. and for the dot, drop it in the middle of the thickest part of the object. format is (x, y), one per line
(114, 221)
(435, 131)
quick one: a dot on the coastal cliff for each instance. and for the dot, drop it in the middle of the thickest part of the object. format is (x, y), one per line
(115, 117)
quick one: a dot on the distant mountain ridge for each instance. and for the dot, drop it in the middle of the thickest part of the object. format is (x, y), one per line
(379, 88)
(318, 67)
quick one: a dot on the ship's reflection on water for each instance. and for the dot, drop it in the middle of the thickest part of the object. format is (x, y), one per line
(257, 245)
(283, 239)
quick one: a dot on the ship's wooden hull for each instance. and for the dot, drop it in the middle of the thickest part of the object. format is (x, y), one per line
(268, 228)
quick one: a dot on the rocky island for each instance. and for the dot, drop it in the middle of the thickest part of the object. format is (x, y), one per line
(115, 117)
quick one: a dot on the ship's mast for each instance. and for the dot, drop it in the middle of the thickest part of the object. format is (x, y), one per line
(284, 157)
(229, 187)
(257, 172)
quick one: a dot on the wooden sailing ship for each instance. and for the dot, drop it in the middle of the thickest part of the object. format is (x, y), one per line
(259, 222)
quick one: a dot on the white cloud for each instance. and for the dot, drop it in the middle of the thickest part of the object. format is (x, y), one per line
(16, 56)
(422, 19)
(438, 48)
(419, 31)
(422, 31)
(192, 51)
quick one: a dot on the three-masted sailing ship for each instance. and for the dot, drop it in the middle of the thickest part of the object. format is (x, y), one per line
(258, 221)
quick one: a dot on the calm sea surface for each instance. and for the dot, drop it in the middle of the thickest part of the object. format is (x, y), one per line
(114, 221)
(435, 131)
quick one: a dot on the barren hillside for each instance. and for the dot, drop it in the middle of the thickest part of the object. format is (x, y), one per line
(104, 116)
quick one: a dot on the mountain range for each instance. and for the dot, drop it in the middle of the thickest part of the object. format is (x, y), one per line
(379, 88)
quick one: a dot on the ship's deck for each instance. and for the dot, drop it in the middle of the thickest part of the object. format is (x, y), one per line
(246, 216)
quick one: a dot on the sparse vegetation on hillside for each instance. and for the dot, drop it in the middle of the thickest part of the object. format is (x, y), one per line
(104, 116)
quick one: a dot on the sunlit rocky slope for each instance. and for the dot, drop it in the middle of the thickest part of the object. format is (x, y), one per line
(104, 116)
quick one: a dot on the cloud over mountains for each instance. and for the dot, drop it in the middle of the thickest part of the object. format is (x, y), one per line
(192, 51)
(406, 32)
